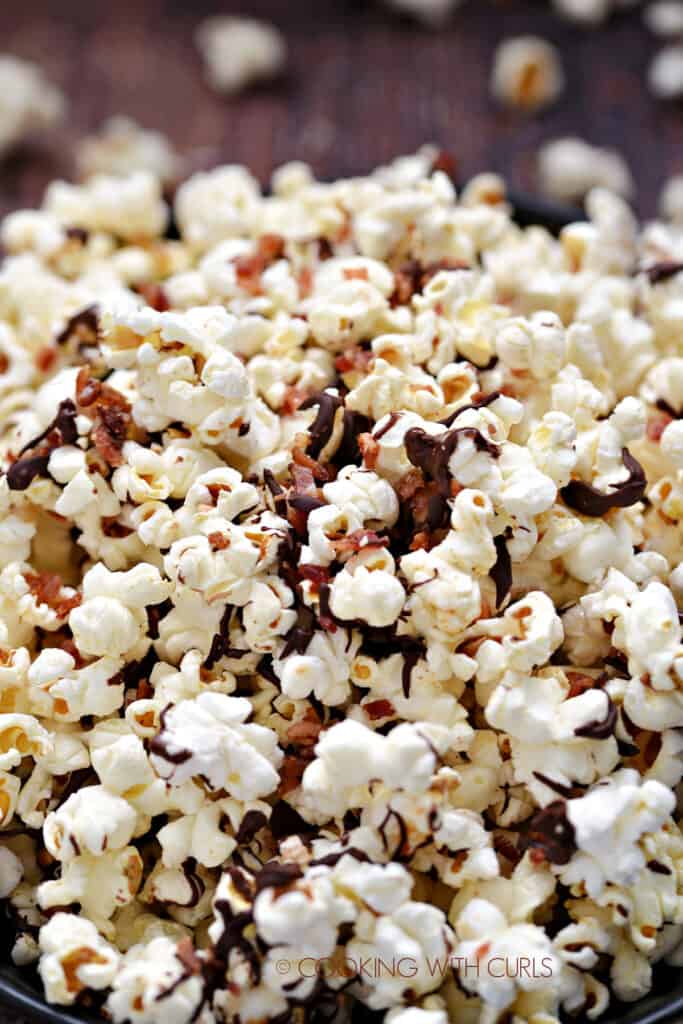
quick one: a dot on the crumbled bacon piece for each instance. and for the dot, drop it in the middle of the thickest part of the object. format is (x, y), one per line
(291, 773)
(305, 732)
(359, 540)
(656, 425)
(356, 274)
(219, 541)
(578, 684)
(293, 398)
(356, 359)
(379, 709)
(445, 162)
(111, 412)
(249, 268)
(46, 588)
(154, 295)
(44, 358)
(305, 282)
(369, 450)
(301, 459)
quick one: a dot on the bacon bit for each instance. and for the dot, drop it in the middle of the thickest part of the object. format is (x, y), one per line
(355, 358)
(154, 295)
(379, 709)
(294, 396)
(445, 162)
(536, 856)
(219, 541)
(291, 773)
(68, 645)
(578, 684)
(303, 480)
(46, 588)
(305, 732)
(356, 274)
(656, 425)
(44, 359)
(4, 362)
(325, 250)
(301, 459)
(315, 574)
(408, 485)
(111, 527)
(269, 248)
(369, 449)
(422, 541)
(359, 540)
(113, 417)
(305, 282)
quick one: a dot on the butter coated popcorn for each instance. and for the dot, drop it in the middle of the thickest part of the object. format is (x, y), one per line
(340, 573)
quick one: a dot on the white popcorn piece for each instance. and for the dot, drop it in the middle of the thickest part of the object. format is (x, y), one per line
(209, 736)
(665, 75)
(74, 958)
(123, 147)
(30, 103)
(569, 168)
(527, 73)
(240, 51)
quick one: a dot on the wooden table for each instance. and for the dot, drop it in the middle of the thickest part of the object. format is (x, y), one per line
(363, 85)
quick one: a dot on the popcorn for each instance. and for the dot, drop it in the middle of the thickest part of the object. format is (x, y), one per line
(527, 73)
(208, 736)
(665, 75)
(608, 824)
(123, 147)
(431, 13)
(30, 103)
(240, 51)
(74, 958)
(340, 564)
(569, 168)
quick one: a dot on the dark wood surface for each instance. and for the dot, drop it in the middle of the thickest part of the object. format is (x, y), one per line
(362, 86)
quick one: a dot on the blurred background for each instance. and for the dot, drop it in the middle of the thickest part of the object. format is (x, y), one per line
(362, 84)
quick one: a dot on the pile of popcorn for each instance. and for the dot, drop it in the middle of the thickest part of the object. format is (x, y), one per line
(341, 559)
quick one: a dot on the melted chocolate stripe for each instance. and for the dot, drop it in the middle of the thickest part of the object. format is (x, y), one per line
(590, 502)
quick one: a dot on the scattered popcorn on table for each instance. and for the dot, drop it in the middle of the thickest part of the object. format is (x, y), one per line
(341, 586)
(569, 168)
(238, 52)
(527, 73)
(665, 75)
(429, 12)
(590, 12)
(28, 102)
(665, 17)
(671, 199)
(122, 147)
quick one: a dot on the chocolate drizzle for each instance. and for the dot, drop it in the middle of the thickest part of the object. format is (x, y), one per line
(476, 403)
(600, 730)
(663, 271)
(432, 454)
(551, 832)
(590, 502)
(62, 430)
(501, 571)
(320, 430)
